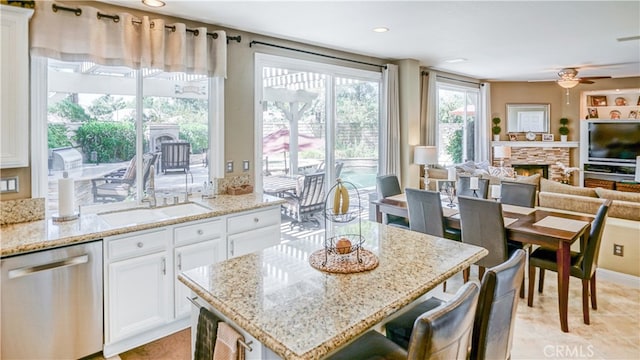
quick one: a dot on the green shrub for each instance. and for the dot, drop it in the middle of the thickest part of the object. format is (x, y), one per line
(57, 136)
(564, 130)
(196, 134)
(496, 127)
(454, 148)
(113, 141)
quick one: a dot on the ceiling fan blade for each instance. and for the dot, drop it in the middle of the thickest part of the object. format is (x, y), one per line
(595, 77)
(585, 81)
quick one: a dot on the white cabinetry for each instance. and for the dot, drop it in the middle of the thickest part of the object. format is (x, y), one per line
(196, 245)
(138, 282)
(14, 86)
(253, 231)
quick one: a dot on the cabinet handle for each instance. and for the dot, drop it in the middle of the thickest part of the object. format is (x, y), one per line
(140, 244)
(256, 220)
(200, 232)
(179, 261)
(231, 247)
(164, 266)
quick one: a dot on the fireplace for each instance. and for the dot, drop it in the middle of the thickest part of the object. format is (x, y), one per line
(531, 169)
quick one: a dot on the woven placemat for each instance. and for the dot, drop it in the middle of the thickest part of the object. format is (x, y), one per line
(344, 264)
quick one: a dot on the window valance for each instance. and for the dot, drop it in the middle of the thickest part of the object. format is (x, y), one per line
(128, 41)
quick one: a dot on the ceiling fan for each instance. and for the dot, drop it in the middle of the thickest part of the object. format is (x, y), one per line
(568, 78)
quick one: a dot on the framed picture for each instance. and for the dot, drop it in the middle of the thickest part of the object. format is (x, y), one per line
(528, 118)
(513, 137)
(633, 114)
(593, 113)
(597, 100)
(620, 101)
(442, 185)
(547, 137)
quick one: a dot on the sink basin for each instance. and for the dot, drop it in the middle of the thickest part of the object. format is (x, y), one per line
(146, 215)
(132, 216)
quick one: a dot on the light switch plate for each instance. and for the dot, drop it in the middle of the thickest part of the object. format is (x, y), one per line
(9, 185)
(245, 165)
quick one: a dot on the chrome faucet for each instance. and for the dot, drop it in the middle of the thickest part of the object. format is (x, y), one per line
(186, 184)
(150, 191)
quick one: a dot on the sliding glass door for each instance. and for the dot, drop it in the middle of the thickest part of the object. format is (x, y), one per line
(457, 124)
(313, 115)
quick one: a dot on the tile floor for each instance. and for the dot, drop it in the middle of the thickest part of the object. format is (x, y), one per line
(614, 332)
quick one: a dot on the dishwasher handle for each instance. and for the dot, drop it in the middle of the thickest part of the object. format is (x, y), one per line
(20, 272)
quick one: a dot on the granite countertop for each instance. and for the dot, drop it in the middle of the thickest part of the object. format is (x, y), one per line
(44, 234)
(302, 313)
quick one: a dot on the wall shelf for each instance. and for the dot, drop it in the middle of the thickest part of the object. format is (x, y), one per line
(547, 144)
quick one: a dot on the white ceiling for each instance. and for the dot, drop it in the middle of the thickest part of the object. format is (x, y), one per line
(502, 41)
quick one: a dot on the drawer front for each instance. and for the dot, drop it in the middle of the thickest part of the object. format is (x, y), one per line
(197, 232)
(254, 240)
(137, 245)
(253, 220)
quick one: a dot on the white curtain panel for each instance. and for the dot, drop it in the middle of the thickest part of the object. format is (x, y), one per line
(484, 135)
(390, 147)
(428, 98)
(132, 42)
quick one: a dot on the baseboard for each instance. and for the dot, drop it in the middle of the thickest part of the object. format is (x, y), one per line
(619, 278)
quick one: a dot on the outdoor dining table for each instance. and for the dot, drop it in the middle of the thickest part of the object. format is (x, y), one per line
(278, 185)
(552, 230)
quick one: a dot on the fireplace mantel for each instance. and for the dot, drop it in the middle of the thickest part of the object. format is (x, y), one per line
(546, 144)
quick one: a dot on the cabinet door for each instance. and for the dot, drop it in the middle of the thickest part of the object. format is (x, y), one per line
(190, 257)
(254, 240)
(14, 93)
(139, 295)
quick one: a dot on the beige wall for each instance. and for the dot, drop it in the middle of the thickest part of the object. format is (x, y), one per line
(503, 93)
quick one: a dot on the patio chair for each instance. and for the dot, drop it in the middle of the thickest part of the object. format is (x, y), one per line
(175, 155)
(118, 185)
(306, 201)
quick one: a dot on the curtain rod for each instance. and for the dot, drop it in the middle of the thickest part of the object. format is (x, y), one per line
(116, 18)
(425, 73)
(315, 53)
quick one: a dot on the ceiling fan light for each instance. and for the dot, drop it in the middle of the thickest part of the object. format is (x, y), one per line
(568, 84)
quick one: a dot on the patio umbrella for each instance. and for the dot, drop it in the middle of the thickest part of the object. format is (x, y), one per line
(278, 141)
(471, 110)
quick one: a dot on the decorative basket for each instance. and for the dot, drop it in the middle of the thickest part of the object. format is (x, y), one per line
(628, 187)
(605, 184)
(240, 190)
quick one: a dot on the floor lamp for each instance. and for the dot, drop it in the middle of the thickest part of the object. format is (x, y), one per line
(425, 155)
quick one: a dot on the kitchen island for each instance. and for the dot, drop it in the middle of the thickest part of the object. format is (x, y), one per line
(297, 312)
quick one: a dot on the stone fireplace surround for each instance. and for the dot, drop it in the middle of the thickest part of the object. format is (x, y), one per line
(539, 153)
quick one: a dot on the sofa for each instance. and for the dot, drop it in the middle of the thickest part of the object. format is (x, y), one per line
(623, 222)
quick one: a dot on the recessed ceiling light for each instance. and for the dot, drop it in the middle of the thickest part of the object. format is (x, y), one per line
(381, 29)
(457, 60)
(153, 3)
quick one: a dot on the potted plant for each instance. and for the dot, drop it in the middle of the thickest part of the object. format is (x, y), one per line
(564, 130)
(496, 128)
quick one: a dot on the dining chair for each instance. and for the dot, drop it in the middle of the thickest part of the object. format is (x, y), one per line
(482, 225)
(388, 185)
(494, 316)
(583, 263)
(443, 332)
(519, 194)
(425, 214)
(493, 327)
(462, 187)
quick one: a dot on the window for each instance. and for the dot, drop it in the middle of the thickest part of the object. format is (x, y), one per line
(95, 134)
(313, 114)
(457, 138)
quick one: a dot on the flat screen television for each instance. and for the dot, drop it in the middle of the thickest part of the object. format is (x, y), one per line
(612, 141)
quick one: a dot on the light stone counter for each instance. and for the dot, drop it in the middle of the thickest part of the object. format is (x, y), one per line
(299, 312)
(44, 234)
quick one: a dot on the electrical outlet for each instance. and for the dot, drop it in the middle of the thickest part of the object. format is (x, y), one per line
(9, 185)
(230, 166)
(618, 250)
(245, 165)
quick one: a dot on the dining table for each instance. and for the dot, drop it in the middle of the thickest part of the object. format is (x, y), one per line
(549, 229)
(279, 185)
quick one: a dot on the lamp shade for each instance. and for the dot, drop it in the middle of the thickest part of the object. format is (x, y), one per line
(502, 152)
(425, 155)
(568, 83)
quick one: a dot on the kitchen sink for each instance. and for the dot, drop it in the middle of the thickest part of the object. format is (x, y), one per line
(142, 215)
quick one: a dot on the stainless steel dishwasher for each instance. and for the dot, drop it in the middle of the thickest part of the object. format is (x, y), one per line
(52, 303)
